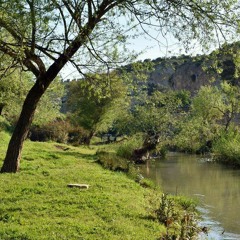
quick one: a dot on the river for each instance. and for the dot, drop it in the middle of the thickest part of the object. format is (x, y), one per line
(217, 188)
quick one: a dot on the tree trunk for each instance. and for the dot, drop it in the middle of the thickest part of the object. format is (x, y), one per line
(150, 143)
(88, 138)
(11, 162)
(13, 156)
(1, 108)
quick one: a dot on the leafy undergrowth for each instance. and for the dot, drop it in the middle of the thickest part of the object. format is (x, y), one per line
(227, 148)
(37, 204)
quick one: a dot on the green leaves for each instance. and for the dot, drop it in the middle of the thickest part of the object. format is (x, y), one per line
(13, 88)
(96, 101)
(208, 104)
(49, 107)
(213, 111)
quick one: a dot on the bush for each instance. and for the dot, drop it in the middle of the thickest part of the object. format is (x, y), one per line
(112, 161)
(77, 136)
(227, 148)
(179, 217)
(126, 149)
(52, 131)
(59, 131)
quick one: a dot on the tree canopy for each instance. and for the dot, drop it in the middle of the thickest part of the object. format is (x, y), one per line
(96, 101)
(35, 33)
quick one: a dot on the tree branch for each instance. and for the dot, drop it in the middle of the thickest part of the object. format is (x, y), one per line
(10, 30)
(33, 21)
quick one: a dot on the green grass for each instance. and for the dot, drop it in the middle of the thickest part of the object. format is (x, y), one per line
(37, 204)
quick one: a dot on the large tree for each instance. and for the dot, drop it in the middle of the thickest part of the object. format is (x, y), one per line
(43, 36)
(96, 101)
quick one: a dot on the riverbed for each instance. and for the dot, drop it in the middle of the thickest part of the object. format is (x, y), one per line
(217, 188)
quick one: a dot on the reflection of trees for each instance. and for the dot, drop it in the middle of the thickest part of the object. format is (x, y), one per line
(219, 185)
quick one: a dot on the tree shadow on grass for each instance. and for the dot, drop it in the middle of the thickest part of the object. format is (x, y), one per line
(77, 155)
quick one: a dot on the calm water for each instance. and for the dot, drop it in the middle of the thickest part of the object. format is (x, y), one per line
(217, 187)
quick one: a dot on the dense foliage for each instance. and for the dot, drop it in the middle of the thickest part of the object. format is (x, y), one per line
(96, 102)
(43, 37)
(120, 104)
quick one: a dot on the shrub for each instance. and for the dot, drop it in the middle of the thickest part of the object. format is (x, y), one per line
(113, 162)
(39, 134)
(60, 131)
(54, 131)
(126, 149)
(77, 135)
(179, 216)
(227, 147)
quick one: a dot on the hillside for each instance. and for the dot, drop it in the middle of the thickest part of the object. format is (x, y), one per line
(190, 73)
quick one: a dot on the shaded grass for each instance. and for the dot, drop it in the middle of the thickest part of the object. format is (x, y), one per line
(112, 161)
(37, 204)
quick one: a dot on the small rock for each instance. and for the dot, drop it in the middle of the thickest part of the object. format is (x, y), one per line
(77, 185)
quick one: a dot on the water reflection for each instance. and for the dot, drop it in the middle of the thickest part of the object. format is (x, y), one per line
(216, 186)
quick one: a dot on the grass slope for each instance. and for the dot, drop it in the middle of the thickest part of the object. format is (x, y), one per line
(37, 204)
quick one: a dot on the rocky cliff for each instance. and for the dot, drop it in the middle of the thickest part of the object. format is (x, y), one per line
(190, 73)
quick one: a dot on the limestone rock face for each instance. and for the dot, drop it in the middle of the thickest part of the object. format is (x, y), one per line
(192, 72)
(161, 75)
(190, 76)
(181, 75)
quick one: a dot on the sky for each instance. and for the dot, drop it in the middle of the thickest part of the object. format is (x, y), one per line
(149, 49)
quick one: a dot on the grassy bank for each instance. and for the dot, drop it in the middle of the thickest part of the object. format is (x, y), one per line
(37, 204)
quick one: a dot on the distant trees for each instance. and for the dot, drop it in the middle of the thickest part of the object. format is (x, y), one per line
(231, 99)
(200, 124)
(13, 88)
(50, 104)
(96, 101)
(213, 110)
(156, 118)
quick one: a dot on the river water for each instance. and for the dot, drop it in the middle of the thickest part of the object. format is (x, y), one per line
(217, 188)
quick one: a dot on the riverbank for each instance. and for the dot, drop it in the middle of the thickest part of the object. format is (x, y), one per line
(37, 204)
(215, 186)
